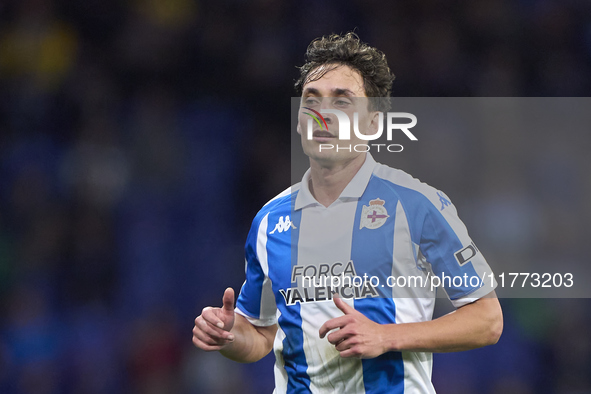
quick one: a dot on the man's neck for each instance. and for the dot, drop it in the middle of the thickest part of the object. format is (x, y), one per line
(328, 182)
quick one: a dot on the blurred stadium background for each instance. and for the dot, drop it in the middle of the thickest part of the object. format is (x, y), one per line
(139, 138)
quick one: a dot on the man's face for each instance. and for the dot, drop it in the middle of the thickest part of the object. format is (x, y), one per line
(340, 88)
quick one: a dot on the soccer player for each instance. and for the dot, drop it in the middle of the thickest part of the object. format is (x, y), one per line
(351, 217)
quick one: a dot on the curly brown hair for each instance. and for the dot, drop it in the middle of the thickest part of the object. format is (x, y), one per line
(349, 50)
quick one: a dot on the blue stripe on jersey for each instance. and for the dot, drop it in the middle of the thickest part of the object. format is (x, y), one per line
(385, 373)
(372, 249)
(435, 237)
(371, 252)
(290, 320)
(439, 243)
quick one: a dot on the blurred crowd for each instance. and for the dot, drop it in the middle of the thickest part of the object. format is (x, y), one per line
(139, 138)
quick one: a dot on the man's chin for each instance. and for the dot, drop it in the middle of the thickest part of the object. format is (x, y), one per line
(329, 156)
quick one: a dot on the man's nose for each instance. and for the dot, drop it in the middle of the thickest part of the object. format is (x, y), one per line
(326, 103)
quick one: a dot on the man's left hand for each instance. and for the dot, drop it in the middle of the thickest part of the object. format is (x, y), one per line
(357, 336)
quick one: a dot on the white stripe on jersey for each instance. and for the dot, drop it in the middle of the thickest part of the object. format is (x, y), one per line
(417, 366)
(279, 368)
(284, 193)
(330, 372)
(417, 372)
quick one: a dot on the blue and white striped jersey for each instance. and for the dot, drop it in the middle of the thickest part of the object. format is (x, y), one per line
(387, 226)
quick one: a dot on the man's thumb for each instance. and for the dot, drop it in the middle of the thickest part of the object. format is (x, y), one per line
(228, 300)
(343, 306)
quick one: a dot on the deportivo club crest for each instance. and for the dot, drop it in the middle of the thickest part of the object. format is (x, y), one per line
(373, 216)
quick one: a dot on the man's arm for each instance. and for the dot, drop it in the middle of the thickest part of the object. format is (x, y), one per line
(231, 334)
(470, 326)
(251, 342)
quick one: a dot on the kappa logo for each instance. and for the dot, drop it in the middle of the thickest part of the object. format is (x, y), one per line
(444, 201)
(373, 216)
(283, 225)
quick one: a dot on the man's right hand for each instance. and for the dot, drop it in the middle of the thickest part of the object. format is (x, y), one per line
(212, 327)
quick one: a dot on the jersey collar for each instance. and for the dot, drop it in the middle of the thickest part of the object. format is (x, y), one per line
(354, 189)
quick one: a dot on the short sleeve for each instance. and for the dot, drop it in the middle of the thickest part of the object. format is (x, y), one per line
(462, 269)
(256, 301)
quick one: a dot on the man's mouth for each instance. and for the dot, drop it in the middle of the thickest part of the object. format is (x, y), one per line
(322, 134)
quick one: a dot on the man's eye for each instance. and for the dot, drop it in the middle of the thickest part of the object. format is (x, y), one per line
(342, 103)
(310, 101)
